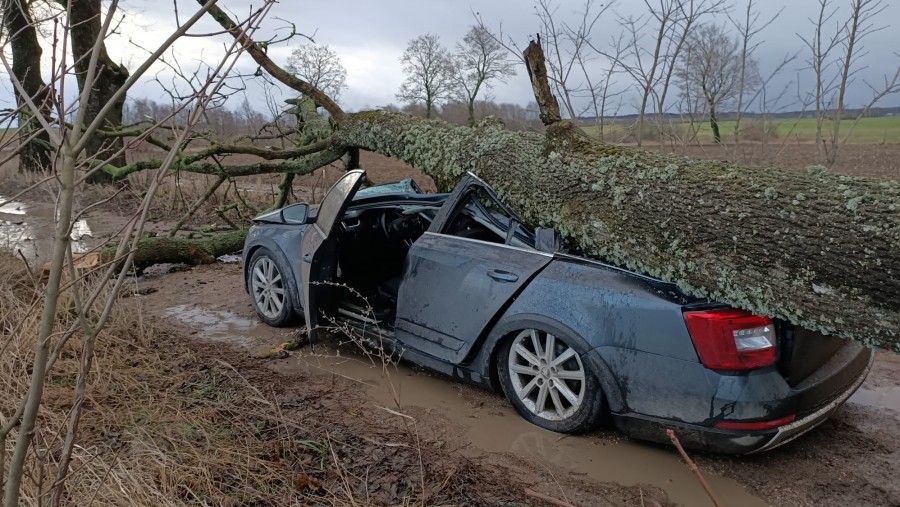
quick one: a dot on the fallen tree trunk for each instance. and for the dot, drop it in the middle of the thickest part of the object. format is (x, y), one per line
(191, 251)
(819, 250)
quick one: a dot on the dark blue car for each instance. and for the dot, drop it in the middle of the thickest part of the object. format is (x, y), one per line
(457, 283)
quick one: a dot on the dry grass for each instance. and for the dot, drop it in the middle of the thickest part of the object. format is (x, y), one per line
(236, 200)
(168, 423)
(150, 434)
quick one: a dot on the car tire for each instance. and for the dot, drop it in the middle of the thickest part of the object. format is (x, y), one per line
(554, 389)
(268, 289)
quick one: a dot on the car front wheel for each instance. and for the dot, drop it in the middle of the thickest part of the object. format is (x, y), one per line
(268, 289)
(548, 383)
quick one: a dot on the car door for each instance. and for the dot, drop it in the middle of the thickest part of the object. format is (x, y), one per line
(457, 276)
(319, 247)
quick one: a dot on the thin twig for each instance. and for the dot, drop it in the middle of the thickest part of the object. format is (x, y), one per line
(549, 499)
(694, 469)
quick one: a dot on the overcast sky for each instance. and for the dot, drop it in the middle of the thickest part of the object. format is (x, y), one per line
(370, 37)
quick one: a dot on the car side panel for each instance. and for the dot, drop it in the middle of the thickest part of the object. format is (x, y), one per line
(611, 310)
(666, 387)
(608, 307)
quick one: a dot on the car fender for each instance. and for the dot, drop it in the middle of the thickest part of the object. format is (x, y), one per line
(262, 241)
(511, 322)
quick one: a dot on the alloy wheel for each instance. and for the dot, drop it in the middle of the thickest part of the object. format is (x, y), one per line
(547, 375)
(268, 288)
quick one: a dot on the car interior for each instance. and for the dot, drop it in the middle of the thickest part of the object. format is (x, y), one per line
(374, 242)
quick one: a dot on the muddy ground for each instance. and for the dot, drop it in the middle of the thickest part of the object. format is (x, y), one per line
(852, 459)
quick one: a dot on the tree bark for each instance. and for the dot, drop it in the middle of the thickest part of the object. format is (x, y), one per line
(537, 72)
(36, 153)
(86, 22)
(158, 250)
(819, 250)
(714, 123)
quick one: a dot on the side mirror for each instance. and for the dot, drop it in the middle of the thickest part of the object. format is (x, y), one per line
(547, 240)
(295, 213)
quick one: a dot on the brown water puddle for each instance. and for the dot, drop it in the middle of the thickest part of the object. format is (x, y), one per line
(218, 325)
(882, 397)
(28, 228)
(490, 423)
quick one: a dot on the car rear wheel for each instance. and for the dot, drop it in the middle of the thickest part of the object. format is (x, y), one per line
(548, 382)
(268, 289)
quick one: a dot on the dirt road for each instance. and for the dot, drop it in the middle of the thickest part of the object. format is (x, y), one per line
(853, 459)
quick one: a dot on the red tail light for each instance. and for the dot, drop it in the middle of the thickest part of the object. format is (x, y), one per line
(731, 339)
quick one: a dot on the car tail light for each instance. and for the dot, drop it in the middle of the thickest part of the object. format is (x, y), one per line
(731, 339)
(757, 425)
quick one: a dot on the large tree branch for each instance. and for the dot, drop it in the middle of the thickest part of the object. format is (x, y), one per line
(305, 160)
(264, 153)
(150, 251)
(260, 57)
(820, 250)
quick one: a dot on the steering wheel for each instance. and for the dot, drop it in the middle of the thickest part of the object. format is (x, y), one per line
(401, 227)
(383, 222)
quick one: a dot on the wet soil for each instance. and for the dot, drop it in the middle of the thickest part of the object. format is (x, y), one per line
(853, 459)
(27, 228)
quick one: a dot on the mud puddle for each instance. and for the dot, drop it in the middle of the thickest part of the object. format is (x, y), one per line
(218, 325)
(28, 228)
(485, 420)
(881, 397)
(491, 425)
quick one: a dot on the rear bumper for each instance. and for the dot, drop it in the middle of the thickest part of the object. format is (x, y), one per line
(796, 429)
(812, 401)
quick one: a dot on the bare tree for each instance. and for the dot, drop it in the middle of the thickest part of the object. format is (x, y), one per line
(34, 143)
(569, 64)
(565, 46)
(598, 89)
(833, 75)
(319, 66)
(72, 132)
(820, 46)
(690, 14)
(479, 60)
(861, 24)
(653, 68)
(429, 73)
(643, 65)
(712, 67)
(748, 28)
(85, 21)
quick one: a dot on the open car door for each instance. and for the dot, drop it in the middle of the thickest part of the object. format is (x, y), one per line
(319, 263)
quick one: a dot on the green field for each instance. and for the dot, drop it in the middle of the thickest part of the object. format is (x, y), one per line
(880, 130)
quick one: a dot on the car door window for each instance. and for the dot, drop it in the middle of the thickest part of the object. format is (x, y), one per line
(334, 202)
(481, 217)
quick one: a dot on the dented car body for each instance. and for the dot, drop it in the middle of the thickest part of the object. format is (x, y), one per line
(457, 283)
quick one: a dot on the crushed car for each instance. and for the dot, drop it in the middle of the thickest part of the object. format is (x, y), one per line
(459, 284)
